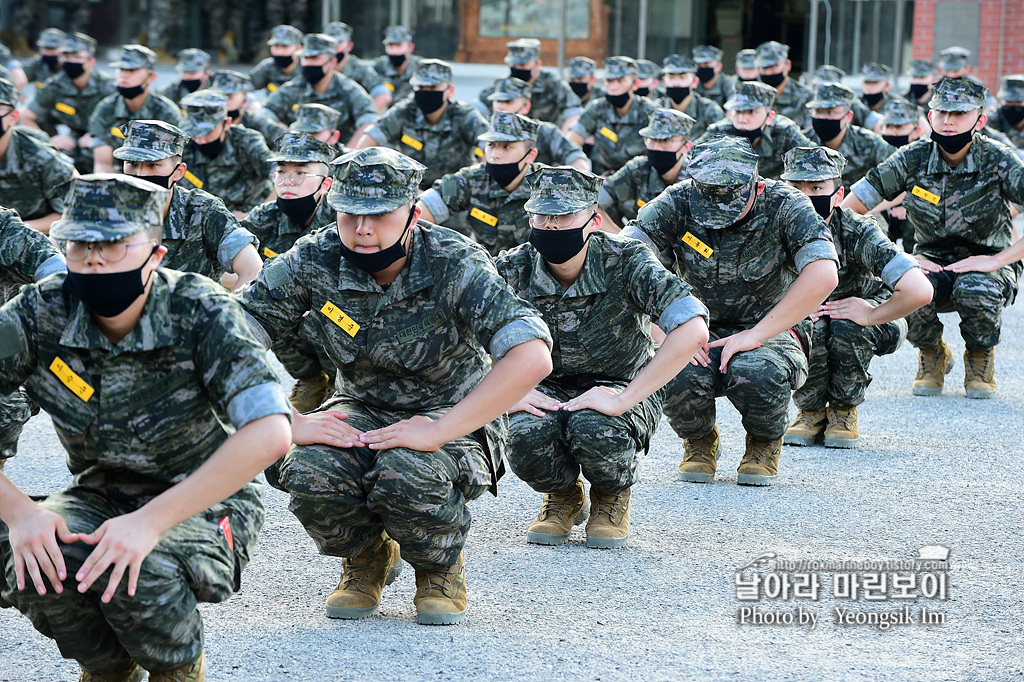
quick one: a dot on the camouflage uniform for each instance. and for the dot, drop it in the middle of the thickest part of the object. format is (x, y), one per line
(315, 119)
(32, 175)
(267, 74)
(790, 102)
(553, 99)
(135, 419)
(553, 148)
(359, 70)
(584, 67)
(240, 173)
(722, 91)
(232, 82)
(865, 115)
(702, 110)
(36, 69)
(740, 272)
(1011, 93)
(396, 83)
(189, 60)
(418, 349)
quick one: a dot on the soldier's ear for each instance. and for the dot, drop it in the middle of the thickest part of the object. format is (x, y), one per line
(982, 122)
(333, 139)
(687, 146)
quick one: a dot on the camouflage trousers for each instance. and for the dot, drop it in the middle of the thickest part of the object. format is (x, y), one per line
(757, 382)
(344, 498)
(979, 299)
(841, 350)
(160, 627)
(15, 410)
(548, 453)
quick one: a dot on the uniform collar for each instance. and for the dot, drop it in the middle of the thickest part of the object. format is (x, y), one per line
(591, 280)
(414, 277)
(152, 331)
(970, 164)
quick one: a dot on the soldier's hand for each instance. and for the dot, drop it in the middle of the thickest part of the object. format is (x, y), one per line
(123, 543)
(416, 433)
(898, 212)
(327, 428)
(33, 536)
(735, 343)
(974, 264)
(927, 265)
(535, 403)
(603, 399)
(855, 309)
(63, 142)
(702, 357)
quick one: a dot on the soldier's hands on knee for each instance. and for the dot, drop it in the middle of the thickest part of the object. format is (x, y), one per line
(535, 403)
(325, 428)
(416, 433)
(973, 264)
(702, 357)
(122, 543)
(33, 537)
(854, 309)
(604, 399)
(927, 265)
(735, 343)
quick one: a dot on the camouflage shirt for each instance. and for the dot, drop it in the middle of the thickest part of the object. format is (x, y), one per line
(869, 264)
(864, 116)
(26, 255)
(998, 122)
(751, 266)
(138, 416)
(266, 126)
(201, 234)
(554, 148)
(174, 91)
(723, 90)
(601, 324)
(396, 83)
(862, 149)
(342, 94)
(701, 109)
(37, 71)
(362, 72)
(277, 232)
(60, 102)
(552, 99)
(112, 113)
(778, 137)
(32, 175)
(633, 186)
(791, 102)
(267, 75)
(616, 138)
(239, 175)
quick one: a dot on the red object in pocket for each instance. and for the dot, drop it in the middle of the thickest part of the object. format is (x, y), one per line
(225, 525)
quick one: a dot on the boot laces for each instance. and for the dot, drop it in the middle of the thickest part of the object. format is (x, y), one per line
(701, 448)
(557, 504)
(807, 418)
(438, 579)
(359, 568)
(929, 361)
(981, 363)
(762, 452)
(609, 505)
(844, 418)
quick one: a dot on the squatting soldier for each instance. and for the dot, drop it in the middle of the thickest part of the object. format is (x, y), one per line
(762, 261)
(230, 162)
(667, 137)
(430, 126)
(647, 83)
(746, 67)
(1008, 118)
(876, 91)
(132, 102)
(597, 410)
(355, 68)
(583, 81)
(957, 187)
(900, 126)
(319, 121)
(922, 75)
(241, 109)
(200, 233)
(553, 100)
(615, 121)
(407, 312)
(512, 95)
(681, 94)
(773, 66)
(770, 133)
(46, 64)
(193, 69)
(493, 192)
(135, 363)
(859, 320)
(398, 63)
(713, 84)
(279, 68)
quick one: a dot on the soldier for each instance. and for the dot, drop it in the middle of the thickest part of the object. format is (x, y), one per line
(279, 68)
(45, 65)
(957, 187)
(241, 109)
(774, 65)
(597, 410)
(862, 318)
(200, 234)
(407, 312)
(922, 75)
(398, 63)
(647, 83)
(862, 114)
(615, 121)
(762, 260)
(1008, 118)
(193, 69)
(954, 62)
(320, 84)
(63, 106)
(900, 126)
(493, 192)
(430, 126)
(875, 90)
(667, 138)
(583, 80)
(749, 115)
(230, 162)
(132, 102)
(355, 68)
(746, 67)
(712, 83)
(32, 173)
(681, 94)
(320, 121)
(832, 126)
(137, 365)
(512, 95)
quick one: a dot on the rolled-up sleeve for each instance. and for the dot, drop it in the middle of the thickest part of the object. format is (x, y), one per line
(516, 332)
(819, 249)
(257, 402)
(867, 194)
(681, 311)
(232, 245)
(433, 201)
(896, 268)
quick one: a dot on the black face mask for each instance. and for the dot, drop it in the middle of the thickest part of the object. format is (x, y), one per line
(341, 56)
(826, 128)
(872, 100)
(642, 92)
(51, 61)
(396, 59)
(618, 101)
(677, 94)
(378, 260)
(746, 80)
(558, 246)
(428, 101)
(953, 144)
(73, 69)
(897, 140)
(209, 149)
(283, 61)
(662, 161)
(1012, 114)
(313, 74)
(162, 180)
(299, 210)
(581, 89)
(823, 204)
(749, 134)
(191, 84)
(705, 73)
(234, 114)
(131, 93)
(108, 294)
(774, 80)
(917, 90)
(521, 74)
(504, 173)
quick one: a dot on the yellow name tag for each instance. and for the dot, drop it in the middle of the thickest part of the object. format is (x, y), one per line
(66, 109)
(335, 315)
(295, 107)
(641, 203)
(926, 195)
(483, 217)
(697, 245)
(271, 87)
(190, 176)
(415, 144)
(71, 380)
(479, 152)
(116, 132)
(389, 86)
(610, 134)
(268, 253)
(39, 84)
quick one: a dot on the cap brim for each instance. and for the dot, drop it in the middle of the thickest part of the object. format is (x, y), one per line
(515, 61)
(139, 154)
(364, 206)
(824, 104)
(195, 129)
(741, 105)
(502, 97)
(954, 106)
(492, 136)
(285, 157)
(305, 128)
(712, 214)
(551, 206)
(79, 231)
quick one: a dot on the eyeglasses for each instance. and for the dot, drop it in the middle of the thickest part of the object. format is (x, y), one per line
(111, 252)
(562, 221)
(294, 178)
(5, 110)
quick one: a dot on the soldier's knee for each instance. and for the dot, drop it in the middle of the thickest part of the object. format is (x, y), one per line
(308, 470)
(978, 290)
(402, 474)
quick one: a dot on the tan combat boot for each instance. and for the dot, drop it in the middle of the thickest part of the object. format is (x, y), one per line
(806, 428)
(363, 579)
(933, 366)
(227, 51)
(309, 394)
(559, 512)
(132, 674)
(700, 458)
(841, 431)
(980, 372)
(190, 672)
(441, 594)
(760, 463)
(608, 527)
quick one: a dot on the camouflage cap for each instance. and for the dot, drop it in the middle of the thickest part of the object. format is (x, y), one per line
(431, 72)
(521, 51)
(723, 168)
(338, 30)
(957, 94)
(78, 42)
(283, 34)
(294, 146)
(750, 95)
(507, 89)
(770, 53)
(9, 93)
(396, 34)
(829, 95)
(51, 38)
(702, 54)
(827, 73)
(921, 68)
(618, 67)
(582, 67)
(665, 123)
(509, 127)
(954, 58)
(192, 59)
(373, 181)
(135, 57)
(105, 207)
(647, 69)
(204, 110)
(807, 164)
(150, 141)
(315, 118)
(562, 190)
(229, 82)
(873, 72)
(898, 111)
(678, 63)
(318, 43)
(746, 59)
(1011, 88)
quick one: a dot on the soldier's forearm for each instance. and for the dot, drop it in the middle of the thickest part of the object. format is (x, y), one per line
(811, 288)
(912, 291)
(675, 351)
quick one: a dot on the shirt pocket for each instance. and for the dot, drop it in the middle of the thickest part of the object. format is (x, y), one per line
(427, 341)
(760, 262)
